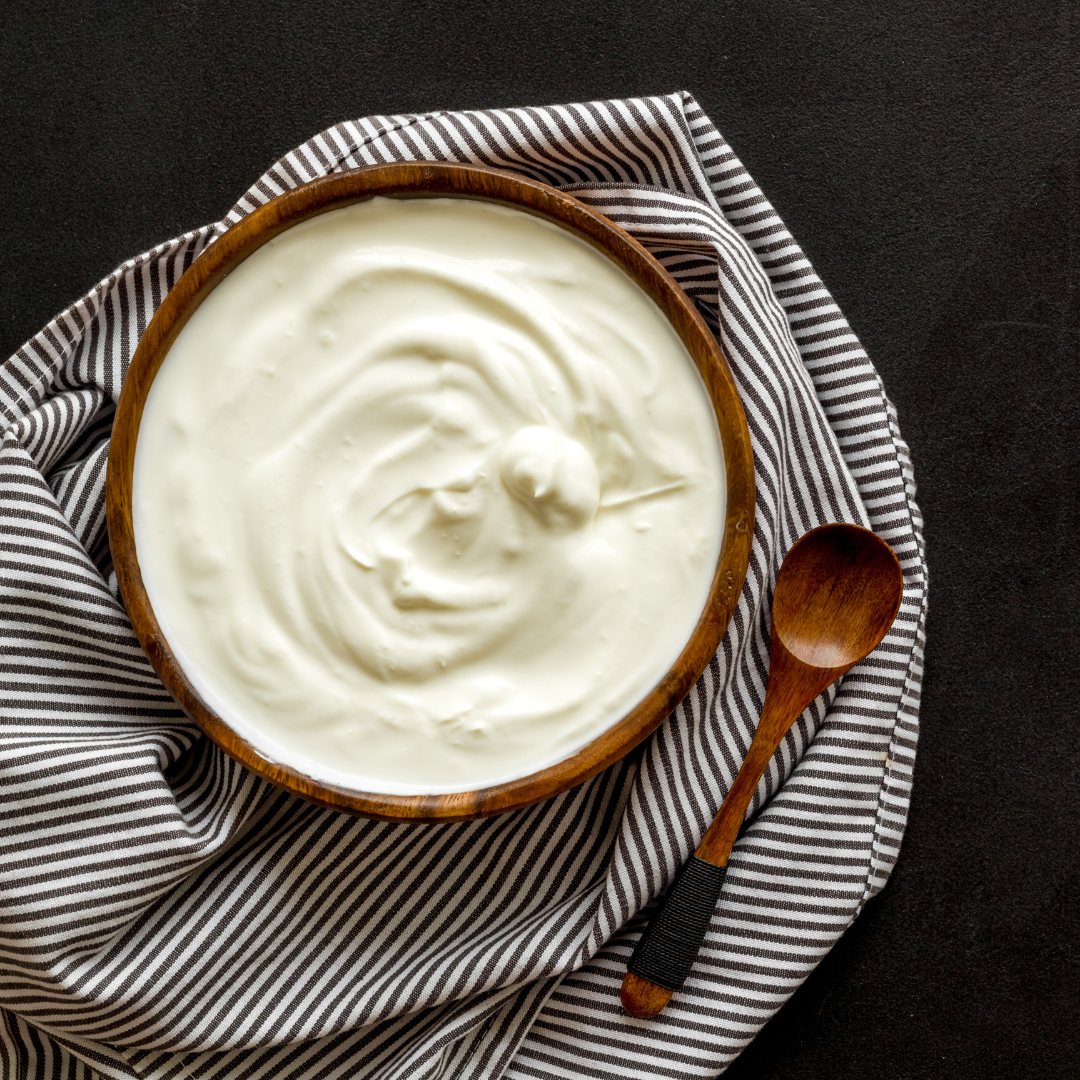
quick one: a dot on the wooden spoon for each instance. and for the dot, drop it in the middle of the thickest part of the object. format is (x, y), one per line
(835, 599)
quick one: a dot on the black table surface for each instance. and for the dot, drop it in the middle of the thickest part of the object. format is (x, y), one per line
(926, 157)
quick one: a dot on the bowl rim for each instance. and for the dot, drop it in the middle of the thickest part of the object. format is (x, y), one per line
(430, 179)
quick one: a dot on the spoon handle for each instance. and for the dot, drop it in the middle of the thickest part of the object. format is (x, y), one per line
(666, 951)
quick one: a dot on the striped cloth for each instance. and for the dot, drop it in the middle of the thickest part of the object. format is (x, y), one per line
(167, 914)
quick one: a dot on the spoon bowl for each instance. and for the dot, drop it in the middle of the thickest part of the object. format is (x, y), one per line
(836, 596)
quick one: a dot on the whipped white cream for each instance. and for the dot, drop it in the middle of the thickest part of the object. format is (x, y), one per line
(428, 493)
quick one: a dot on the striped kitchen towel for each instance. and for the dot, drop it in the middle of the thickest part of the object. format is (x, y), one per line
(167, 914)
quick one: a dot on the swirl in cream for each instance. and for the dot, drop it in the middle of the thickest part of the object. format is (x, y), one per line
(427, 494)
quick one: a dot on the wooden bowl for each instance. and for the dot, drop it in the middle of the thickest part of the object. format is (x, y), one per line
(417, 180)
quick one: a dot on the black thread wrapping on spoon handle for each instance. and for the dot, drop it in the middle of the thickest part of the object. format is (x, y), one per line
(666, 952)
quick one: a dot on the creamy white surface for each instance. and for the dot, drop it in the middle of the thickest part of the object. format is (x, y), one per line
(427, 494)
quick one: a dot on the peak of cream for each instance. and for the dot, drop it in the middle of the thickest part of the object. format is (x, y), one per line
(428, 493)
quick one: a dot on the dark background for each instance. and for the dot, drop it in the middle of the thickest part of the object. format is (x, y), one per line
(926, 157)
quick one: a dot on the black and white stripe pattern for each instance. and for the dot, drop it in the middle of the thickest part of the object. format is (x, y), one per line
(165, 914)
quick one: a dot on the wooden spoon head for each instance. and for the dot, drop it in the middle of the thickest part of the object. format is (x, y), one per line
(836, 595)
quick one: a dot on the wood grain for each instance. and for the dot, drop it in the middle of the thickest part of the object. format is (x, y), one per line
(642, 998)
(425, 180)
(835, 598)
